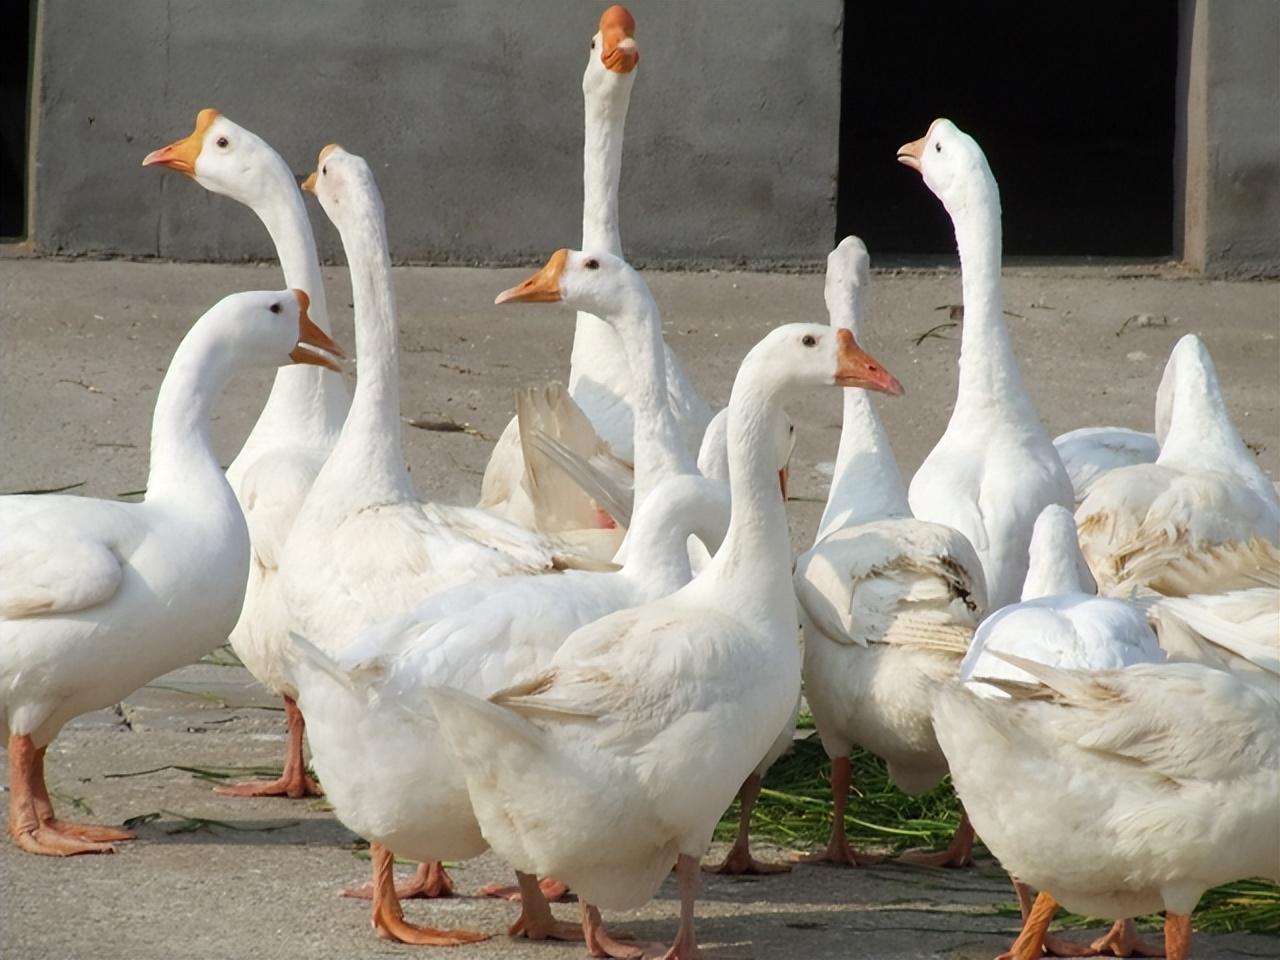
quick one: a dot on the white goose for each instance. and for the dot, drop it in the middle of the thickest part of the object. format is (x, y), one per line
(295, 432)
(1116, 790)
(365, 546)
(97, 597)
(375, 742)
(889, 603)
(1203, 518)
(623, 753)
(995, 468)
(599, 380)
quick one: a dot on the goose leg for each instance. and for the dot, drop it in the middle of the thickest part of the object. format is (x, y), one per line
(1051, 945)
(553, 891)
(429, 882)
(1030, 941)
(388, 919)
(959, 852)
(536, 921)
(32, 824)
(293, 782)
(685, 946)
(1177, 936)
(739, 860)
(600, 943)
(838, 849)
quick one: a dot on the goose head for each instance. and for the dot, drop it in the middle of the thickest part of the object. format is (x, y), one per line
(344, 185)
(797, 356)
(713, 454)
(953, 166)
(272, 328)
(223, 157)
(595, 282)
(614, 54)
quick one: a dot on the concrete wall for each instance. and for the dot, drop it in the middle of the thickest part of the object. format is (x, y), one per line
(1229, 137)
(470, 112)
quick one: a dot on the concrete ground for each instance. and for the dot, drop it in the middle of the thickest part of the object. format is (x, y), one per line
(82, 348)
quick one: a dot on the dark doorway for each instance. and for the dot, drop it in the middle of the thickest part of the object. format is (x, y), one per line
(15, 98)
(1073, 104)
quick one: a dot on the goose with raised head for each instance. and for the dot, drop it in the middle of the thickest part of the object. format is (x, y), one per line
(1116, 792)
(387, 771)
(584, 770)
(98, 597)
(1060, 623)
(1204, 518)
(296, 430)
(600, 381)
(995, 468)
(889, 603)
(365, 546)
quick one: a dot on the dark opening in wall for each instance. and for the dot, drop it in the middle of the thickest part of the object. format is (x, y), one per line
(1073, 104)
(15, 98)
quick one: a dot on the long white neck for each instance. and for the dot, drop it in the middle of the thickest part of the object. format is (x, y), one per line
(660, 451)
(755, 560)
(867, 484)
(183, 464)
(606, 119)
(657, 550)
(368, 458)
(306, 401)
(990, 385)
(1056, 565)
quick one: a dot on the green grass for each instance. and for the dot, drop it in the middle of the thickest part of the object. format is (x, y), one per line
(795, 810)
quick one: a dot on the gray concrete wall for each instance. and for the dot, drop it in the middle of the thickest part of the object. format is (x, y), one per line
(470, 112)
(1229, 137)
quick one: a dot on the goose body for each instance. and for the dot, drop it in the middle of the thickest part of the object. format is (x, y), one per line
(97, 597)
(1121, 792)
(889, 602)
(995, 468)
(1203, 518)
(622, 754)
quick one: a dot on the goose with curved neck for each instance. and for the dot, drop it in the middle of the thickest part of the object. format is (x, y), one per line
(605, 283)
(888, 602)
(295, 431)
(995, 468)
(614, 713)
(1204, 518)
(365, 546)
(599, 379)
(97, 597)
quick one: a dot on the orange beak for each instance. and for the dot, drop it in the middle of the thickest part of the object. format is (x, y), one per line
(542, 287)
(911, 154)
(618, 39)
(857, 368)
(311, 336)
(784, 477)
(309, 184)
(181, 155)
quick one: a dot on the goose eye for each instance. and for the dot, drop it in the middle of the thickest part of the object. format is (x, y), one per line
(593, 44)
(937, 148)
(222, 141)
(592, 263)
(275, 308)
(808, 340)
(324, 170)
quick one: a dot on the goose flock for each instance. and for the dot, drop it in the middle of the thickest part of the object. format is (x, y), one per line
(583, 670)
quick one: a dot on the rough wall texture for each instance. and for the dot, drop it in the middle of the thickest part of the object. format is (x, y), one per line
(470, 112)
(1229, 137)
